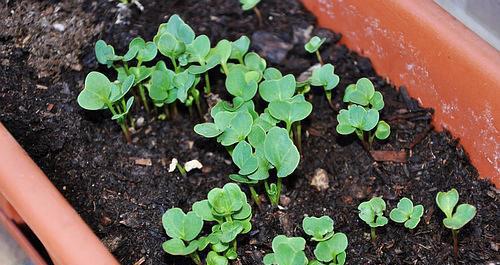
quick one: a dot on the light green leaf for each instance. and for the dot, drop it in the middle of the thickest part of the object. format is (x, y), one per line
(248, 4)
(383, 130)
(240, 48)
(328, 250)
(244, 158)
(281, 152)
(447, 201)
(277, 89)
(96, 93)
(242, 83)
(176, 246)
(214, 259)
(319, 228)
(290, 110)
(226, 201)
(314, 43)
(325, 77)
(183, 226)
(463, 215)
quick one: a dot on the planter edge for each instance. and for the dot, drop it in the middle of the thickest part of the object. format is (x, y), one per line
(58, 226)
(443, 64)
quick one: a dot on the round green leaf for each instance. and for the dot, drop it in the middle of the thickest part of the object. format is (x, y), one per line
(277, 89)
(290, 110)
(207, 129)
(244, 158)
(183, 226)
(447, 201)
(318, 228)
(96, 93)
(314, 43)
(281, 152)
(214, 259)
(463, 215)
(176, 246)
(240, 48)
(383, 130)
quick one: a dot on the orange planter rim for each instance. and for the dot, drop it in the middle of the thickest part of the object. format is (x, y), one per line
(64, 234)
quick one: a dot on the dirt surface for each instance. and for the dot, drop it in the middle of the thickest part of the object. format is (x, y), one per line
(42, 70)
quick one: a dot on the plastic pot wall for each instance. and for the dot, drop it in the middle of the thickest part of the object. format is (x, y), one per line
(441, 62)
(25, 187)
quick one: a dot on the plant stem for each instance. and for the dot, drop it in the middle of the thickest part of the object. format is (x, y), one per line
(373, 233)
(174, 63)
(455, 242)
(173, 108)
(125, 66)
(122, 123)
(196, 258)
(279, 185)
(198, 105)
(255, 196)
(181, 169)
(224, 67)
(298, 135)
(166, 111)
(328, 95)
(207, 84)
(259, 15)
(318, 55)
(143, 97)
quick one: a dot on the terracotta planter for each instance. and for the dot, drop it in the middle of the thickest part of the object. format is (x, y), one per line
(443, 64)
(66, 237)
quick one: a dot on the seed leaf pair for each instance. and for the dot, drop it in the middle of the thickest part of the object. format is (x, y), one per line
(287, 251)
(314, 43)
(182, 228)
(407, 213)
(363, 93)
(455, 218)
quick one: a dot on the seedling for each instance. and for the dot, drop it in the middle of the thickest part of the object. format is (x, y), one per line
(362, 115)
(228, 208)
(407, 213)
(324, 76)
(240, 48)
(455, 218)
(372, 212)
(99, 93)
(252, 4)
(254, 140)
(313, 47)
(287, 251)
(320, 229)
(330, 249)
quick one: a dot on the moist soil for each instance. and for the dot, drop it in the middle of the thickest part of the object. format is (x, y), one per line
(121, 190)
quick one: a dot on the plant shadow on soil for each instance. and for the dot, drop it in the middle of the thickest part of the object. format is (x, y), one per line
(85, 156)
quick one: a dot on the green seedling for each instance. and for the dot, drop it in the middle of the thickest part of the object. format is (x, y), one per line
(320, 229)
(407, 213)
(324, 76)
(362, 115)
(228, 208)
(455, 218)
(183, 230)
(99, 93)
(287, 251)
(372, 212)
(105, 54)
(252, 4)
(332, 251)
(240, 48)
(313, 47)
(330, 248)
(255, 141)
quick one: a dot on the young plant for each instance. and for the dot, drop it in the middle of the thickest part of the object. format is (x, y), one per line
(99, 93)
(313, 45)
(324, 76)
(455, 218)
(252, 4)
(255, 141)
(228, 208)
(183, 230)
(362, 115)
(407, 213)
(287, 251)
(330, 248)
(372, 212)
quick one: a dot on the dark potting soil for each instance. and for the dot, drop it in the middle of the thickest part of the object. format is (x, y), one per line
(121, 191)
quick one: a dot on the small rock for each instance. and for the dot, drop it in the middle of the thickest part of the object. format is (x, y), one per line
(143, 162)
(5, 62)
(320, 180)
(494, 246)
(173, 165)
(285, 200)
(130, 219)
(140, 122)
(190, 144)
(59, 27)
(193, 164)
(76, 66)
(41, 87)
(112, 242)
(270, 46)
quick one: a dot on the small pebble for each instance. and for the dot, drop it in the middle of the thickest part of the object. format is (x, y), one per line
(320, 180)
(140, 122)
(59, 27)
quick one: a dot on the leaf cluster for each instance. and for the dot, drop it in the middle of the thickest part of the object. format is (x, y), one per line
(407, 213)
(227, 207)
(457, 217)
(330, 248)
(362, 114)
(372, 212)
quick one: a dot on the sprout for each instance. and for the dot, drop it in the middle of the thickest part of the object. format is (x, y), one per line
(239, 48)
(324, 76)
(407, 213)
(313, 47)
(362, 115)
(320, 229)
(228, 208)
(252, 4)
(105, 54)
(287, 251)
(99, 93)
(372, 212)
(463, 214)
(183, 230)
(330, 249)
